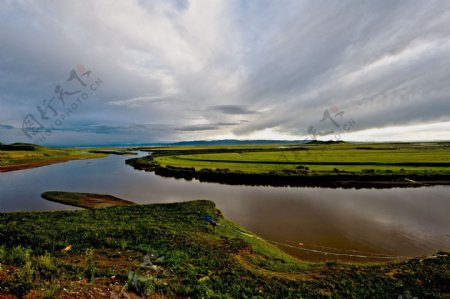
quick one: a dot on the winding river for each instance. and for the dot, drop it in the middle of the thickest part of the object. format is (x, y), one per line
(331, 223)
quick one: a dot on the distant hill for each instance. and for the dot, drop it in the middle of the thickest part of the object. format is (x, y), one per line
(325, 142)
(252, 142)
(19, 147)
(209, 142)
(236, 142)
(31, 147)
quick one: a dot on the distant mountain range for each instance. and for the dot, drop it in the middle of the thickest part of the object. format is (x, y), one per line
(191, 143)
(236, 142)
(197, 142)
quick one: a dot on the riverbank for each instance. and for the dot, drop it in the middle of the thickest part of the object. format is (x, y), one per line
(20, 156)
(316, 165)
(173, 250)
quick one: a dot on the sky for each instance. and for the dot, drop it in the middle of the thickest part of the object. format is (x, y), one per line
(133, 71)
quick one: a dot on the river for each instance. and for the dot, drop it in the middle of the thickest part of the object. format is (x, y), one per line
(399, 221)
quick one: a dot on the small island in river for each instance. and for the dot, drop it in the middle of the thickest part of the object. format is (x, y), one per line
(85, 200)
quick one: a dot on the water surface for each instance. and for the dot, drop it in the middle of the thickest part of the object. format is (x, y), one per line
(406, 222)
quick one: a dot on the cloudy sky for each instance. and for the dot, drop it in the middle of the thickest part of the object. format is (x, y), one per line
(84, 72)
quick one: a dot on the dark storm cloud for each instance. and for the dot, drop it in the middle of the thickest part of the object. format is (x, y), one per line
(195, 128)
(383, 63)
(207, 127)
(232, 109)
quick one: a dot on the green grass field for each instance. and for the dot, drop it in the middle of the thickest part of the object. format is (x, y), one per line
(317, 159)
(22, 156)
(167, 251)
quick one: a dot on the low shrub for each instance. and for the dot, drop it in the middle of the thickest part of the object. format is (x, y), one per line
(90, 268)
(46, 266)
(18, 256)
(140, 284)
(21, 281)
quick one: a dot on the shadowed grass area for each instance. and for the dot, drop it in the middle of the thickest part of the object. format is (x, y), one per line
(85, 200)
(167, 250)
(120, 152)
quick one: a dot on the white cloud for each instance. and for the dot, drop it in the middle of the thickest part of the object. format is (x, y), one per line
(137, 101)
(387, 64)
(421, 132)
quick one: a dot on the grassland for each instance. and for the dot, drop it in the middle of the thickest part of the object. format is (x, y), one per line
(85, 200)
(23, 156)
(389, 164)
(167, 251)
